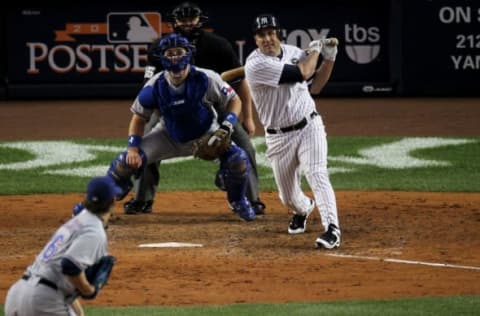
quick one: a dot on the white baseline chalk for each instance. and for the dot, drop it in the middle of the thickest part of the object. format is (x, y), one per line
(432, 264)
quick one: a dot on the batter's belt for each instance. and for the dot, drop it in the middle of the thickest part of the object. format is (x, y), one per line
(291, 128)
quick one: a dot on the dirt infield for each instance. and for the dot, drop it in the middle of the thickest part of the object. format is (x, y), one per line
(437, 235)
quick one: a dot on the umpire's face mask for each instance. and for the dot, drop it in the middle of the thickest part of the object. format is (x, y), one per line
(188, 25)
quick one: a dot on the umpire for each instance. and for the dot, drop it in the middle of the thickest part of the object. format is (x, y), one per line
(211, 52)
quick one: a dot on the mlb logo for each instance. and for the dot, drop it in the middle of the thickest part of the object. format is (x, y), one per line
(133, 27)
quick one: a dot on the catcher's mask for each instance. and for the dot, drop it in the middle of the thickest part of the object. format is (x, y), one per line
(179, 62)
(264, 21)
(188, 10)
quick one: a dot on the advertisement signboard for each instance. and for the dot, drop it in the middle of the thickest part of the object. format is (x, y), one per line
(108, 46)
(441, 47)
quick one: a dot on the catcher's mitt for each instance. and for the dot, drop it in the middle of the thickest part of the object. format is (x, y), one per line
(212, 145)
(99, 273)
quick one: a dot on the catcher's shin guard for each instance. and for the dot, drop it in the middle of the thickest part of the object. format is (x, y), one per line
(220, 180)
(121, 173)
(234, 169)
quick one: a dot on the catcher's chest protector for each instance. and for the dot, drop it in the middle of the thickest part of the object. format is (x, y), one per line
(185, 115)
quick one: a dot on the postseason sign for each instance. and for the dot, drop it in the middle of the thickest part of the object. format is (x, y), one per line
(76, 46)
(441, 47)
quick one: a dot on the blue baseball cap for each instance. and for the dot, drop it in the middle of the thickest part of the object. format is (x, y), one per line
(102, 190)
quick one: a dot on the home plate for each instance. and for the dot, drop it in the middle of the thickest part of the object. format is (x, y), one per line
(169, 245)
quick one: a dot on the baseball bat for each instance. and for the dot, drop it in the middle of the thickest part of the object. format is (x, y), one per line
(235, 74)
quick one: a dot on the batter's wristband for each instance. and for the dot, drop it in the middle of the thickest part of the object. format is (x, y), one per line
(134, 141)
(232, 118)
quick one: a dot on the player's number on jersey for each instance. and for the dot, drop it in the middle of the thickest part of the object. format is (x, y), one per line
(52, 247)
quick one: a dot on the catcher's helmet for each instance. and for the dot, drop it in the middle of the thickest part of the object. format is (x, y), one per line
(265, 21)
(173, 40)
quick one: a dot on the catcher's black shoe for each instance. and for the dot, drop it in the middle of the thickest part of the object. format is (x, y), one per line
(329, 239)
(298, 223)
(137, 207)
(259, 207)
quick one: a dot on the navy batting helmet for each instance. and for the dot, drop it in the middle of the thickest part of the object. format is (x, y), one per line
(173, 40)
(264, 21)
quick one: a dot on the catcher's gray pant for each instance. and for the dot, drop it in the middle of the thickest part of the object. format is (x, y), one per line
(146, 186)
(30, 298)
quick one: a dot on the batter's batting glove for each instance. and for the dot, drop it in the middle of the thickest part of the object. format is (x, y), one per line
(315, 45)
(329, 52)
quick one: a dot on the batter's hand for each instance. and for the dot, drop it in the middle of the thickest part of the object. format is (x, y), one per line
(329, 52)
(316, 46)
(133, 158)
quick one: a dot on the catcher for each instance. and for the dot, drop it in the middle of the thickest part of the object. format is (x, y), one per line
(188, 99)
(212, 52)
(73, 264)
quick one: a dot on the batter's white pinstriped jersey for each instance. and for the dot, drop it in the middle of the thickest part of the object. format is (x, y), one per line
(278, 105)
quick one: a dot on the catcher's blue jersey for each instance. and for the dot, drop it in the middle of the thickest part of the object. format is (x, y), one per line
(187, 111)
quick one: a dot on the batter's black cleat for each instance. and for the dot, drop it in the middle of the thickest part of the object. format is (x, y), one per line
(298, 223)
(259, 207)
(138, 207)
(329, 239)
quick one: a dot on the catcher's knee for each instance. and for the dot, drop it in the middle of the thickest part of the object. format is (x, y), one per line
(234, 168)
(121, 172)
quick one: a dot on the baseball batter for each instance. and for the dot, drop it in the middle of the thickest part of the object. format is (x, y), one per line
(51, 285)
(188, 100)
(294, 132)
(212, 52)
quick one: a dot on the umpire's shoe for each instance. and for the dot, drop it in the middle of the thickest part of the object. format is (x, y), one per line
(137, 207)
(244, 209)
(298, 223)
(329, 239)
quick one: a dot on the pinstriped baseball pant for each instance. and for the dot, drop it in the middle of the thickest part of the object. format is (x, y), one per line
(305, 152)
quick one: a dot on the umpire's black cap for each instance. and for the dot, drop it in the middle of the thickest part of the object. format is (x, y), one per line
(265, 21)
(187, 10)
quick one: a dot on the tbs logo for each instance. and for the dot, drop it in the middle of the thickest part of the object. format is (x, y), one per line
(361, 43)
(133, 27)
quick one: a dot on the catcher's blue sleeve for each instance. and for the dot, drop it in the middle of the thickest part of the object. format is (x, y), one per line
(146, 98)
